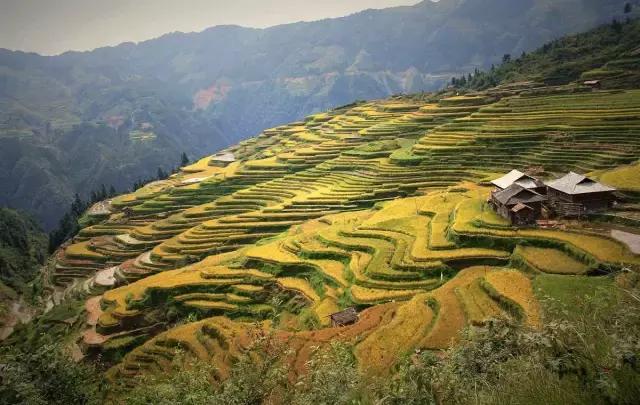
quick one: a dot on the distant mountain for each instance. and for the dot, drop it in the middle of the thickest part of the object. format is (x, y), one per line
(78, 120)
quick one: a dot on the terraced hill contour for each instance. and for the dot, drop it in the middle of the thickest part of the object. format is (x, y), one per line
(379, 204)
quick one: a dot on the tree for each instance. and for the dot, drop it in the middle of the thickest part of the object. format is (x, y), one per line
(112, 191)
(103, 192)
(627, 8)
(161, 174)
(616, 26)
(77, 206)
(506, 58)
(184, 159)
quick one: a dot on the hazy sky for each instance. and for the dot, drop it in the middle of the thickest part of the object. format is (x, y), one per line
(54, 26)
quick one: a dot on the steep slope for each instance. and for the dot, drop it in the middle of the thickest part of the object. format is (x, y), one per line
(23, 250)
(608, 54)
(146, 103)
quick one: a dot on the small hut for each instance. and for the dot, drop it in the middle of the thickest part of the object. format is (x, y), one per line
(574, 194)
(524, 180)
(519, 205)
(222, 159)
(594, 84)
(346, 317)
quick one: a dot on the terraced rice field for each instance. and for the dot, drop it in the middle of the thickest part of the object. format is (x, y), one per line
(378, 205)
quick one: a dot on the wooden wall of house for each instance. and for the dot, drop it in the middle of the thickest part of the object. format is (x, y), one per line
(590, 201)
(523, 217)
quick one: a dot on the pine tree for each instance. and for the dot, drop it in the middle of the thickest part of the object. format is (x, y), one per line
(616, 26)
(184, 159)
(103, 192)
(77, 206)
(161, 175)
(627, 8)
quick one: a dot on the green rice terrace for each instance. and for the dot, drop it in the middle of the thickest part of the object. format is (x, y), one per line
(378, 205)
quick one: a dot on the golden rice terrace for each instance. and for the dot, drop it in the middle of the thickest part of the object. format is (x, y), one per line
(380, 205)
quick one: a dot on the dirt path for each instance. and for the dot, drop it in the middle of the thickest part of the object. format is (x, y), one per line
(630, 239)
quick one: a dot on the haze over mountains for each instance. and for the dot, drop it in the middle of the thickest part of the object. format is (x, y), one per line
(114, 115)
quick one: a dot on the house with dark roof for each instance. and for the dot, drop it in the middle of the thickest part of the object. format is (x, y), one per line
(521, 179)
(520, 205)
(346, 317)
(574, 194)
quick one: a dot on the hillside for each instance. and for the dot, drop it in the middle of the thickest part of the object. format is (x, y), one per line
(608, 54)
(73, 122)
(379, 205)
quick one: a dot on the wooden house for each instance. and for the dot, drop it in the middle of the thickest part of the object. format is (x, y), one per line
(518, 204)
(524, 180)
(346, 317)
(574, 194)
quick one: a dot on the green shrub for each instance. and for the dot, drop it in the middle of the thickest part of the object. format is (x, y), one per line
(47, 375)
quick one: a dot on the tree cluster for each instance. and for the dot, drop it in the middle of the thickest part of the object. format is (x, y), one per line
(68, 225)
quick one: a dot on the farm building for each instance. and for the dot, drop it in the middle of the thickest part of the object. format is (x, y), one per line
(575, 195)
(518, 204)
(593, 84)
(521, 179)
(346, 317)
(222, 159)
